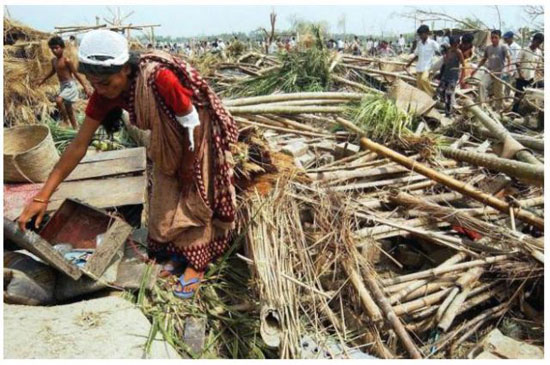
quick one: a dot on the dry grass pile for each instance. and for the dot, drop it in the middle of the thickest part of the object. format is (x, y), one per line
(15, 31)
(26, 61)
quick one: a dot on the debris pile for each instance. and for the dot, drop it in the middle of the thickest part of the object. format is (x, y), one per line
(369, 223)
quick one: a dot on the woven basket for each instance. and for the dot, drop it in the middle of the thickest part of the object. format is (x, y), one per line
(29, 154)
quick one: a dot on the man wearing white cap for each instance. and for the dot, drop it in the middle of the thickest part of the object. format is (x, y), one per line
(192, 197)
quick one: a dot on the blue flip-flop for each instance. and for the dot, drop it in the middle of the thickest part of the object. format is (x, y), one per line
(183, 294)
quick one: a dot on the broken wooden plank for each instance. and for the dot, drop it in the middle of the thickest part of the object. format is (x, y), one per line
(32, 242)
(113, 240)
(100, 193)
(111, 164)
(113, 155)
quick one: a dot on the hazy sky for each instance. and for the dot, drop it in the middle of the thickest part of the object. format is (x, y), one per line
(191, 20)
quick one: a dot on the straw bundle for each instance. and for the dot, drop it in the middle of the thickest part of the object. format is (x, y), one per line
(26, 61)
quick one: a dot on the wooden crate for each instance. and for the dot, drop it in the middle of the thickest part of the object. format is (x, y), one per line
(79, 224)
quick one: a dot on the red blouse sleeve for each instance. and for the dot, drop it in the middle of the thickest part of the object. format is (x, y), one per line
(175, 95)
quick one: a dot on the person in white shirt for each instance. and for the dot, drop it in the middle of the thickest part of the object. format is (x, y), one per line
(510, 70)
(529, 64)
(340, 45)
(439, 37)
(273, 48)
(369, 45)
(293, 42)
(424, 53)
(401, 43)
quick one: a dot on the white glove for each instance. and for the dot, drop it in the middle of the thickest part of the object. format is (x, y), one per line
(190, 121)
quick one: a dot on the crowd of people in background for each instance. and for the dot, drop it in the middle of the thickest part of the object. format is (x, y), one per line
(504, 63)
(506, 66)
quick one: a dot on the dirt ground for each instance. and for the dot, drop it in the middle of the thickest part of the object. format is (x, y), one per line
(109, 327)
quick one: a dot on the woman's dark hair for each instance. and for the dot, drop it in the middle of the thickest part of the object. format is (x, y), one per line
(112, 121)
(468, 38)
(99, 70)
(56, 41)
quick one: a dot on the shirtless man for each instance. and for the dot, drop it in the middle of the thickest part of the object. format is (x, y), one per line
(65, 70)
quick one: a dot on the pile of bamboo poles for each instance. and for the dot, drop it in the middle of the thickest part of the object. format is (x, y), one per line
(484, 231)
(399, 251)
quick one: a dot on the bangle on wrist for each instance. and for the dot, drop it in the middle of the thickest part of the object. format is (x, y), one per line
(38, 200)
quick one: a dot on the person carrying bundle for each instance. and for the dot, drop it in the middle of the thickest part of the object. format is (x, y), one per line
(192, 194)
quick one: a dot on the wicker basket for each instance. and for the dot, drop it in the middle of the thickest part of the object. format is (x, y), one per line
(29, 154)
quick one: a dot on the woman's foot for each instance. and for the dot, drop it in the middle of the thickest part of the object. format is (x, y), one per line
(188, 283)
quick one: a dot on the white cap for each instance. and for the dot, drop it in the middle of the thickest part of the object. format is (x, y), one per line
(105, 44)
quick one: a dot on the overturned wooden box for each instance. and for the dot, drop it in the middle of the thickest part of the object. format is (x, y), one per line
(78, 224)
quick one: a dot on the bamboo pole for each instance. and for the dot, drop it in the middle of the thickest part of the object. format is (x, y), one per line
(291, 123)
(485, 315)
(509, 167)
(371, 172)
(314, 102)
(393, 181)
(455, 259)
(501, 133)
(465, 282)
(499, 233)
(267, 109)
(390, 315)
(441, 270)
(478, 296)
(383, 73)
(256, 100)
(419, 303)
(342, 163)
(271, 119)
(436, 237)
(472, 301)
(288, 130)
(356, 85)
(463, 188)
(527, 141)
(370, 307)
(424, 290)
(446, 303)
